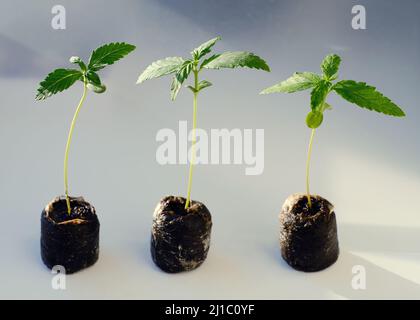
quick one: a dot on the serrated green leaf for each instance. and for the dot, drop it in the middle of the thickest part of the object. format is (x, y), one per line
(179, 78)
(108, 54)
(319, 93)
(57, 81)
(366, 96)
(330, 66)
(314, 119)
(237, 59)
(204, 48)
(161, 68)
(297, 82)
(184, 71)
(208, 60)
(204, 84)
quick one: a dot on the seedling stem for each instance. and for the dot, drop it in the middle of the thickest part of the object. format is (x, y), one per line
(195, 94)
(311, 140)
(69, 138)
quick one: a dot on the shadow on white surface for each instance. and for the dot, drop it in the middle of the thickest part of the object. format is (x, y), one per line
(382, 282)
(380, 238)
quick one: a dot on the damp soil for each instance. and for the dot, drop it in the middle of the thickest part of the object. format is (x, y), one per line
(70, 240)
(180, 237)
(308, 235)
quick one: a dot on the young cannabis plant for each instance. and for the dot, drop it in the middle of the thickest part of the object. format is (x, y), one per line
(359, 93)
(181, 68)
(62, 79)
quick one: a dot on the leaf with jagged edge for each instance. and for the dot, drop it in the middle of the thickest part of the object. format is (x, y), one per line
(367, 97)
(297, 82)
(208, 60)
(319, 93)
(57, 81)
(161, 68)
(179, 78)
(204, 48)
(108, 54)
(185, 70)
(237, 59)
(330, 66)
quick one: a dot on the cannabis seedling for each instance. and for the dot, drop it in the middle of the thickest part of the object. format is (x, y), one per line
(181, 68)
(61, 79)
(359, 93)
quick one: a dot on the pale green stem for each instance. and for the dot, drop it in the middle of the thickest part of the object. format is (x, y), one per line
(66, 155)
(308, 194)
(308, 160)
(187, 203)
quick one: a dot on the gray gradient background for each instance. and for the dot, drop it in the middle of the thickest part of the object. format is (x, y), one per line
(365, 163)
